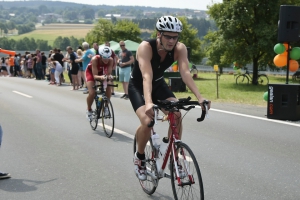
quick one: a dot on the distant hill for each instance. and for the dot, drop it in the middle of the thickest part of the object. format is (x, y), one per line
(60, 4)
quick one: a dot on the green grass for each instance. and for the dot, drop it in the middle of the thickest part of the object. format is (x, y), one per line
(229, 92)
(50, 32)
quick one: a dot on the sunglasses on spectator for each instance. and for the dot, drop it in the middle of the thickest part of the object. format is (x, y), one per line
(168, 37)
(122, 45)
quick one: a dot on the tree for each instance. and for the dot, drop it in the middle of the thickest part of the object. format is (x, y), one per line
(102, 31)
(42, 45)
(88, 13)
(247, 31)
(127, 30)
(57, 42)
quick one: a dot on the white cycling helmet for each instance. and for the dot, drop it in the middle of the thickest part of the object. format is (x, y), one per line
(169, 24)
(105, 51)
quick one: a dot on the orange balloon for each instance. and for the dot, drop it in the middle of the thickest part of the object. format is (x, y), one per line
(280, 60)
(293, 65)
(286, 46)
(175, 68)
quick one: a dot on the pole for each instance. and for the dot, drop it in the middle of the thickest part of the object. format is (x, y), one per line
(217, 84)
(288, 63)
(216, 69)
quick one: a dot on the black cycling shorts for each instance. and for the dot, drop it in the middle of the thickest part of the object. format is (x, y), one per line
(160, 91)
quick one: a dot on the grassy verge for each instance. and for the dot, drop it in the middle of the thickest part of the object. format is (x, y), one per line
(229, 92)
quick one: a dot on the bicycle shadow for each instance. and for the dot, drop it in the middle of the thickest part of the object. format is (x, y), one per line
(116, 137)
(159, 196)
(20, 185)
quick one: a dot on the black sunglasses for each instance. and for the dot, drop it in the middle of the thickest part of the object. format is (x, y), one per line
(122, 45)
(168, 37)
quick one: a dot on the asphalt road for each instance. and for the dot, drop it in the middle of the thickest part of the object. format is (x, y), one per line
(52, 153)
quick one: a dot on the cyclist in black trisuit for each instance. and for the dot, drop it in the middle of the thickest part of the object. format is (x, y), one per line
(147, 84)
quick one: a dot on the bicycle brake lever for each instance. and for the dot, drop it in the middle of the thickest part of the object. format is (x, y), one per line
(206, 109)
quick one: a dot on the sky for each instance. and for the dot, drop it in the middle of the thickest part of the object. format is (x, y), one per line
(190, 4)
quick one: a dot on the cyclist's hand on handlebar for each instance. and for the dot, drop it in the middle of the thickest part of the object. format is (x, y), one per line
(202, 105)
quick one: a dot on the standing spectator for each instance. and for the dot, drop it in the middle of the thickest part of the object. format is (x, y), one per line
(29, 66)
(11, 65)
(74, 68)
(113, 68)
(17, 65)
(25, 63)
(59, 57)
(80, 74)
(95, 48)
(22, 66)
(44, 65)
(38, 65)
(58, 70)
(85, 59)
(34, 58)
(3, 175)
(67, 57)
(50, 53)
(3, 67)
(125, 61)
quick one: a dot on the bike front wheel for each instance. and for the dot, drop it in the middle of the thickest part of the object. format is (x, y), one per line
(242, 79)
(150, 184)
(189, 184)
(263, 79)
(108, 118)
(95, 116)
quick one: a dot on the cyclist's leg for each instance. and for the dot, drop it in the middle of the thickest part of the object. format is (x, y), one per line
(90, 82)
(135, 92)
(162, 92)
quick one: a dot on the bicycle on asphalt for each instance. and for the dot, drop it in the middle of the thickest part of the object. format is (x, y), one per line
(244, 78)
(103, 109)
(186, 183)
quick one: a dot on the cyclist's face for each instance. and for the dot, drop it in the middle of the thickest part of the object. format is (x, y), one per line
(169, 40)
(105, 60)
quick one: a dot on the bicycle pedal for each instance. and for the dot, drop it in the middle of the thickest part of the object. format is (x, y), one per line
(166, 175)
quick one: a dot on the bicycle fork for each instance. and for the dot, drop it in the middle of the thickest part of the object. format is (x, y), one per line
(185, 168)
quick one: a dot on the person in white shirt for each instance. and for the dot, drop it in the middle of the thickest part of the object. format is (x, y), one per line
(58, 70)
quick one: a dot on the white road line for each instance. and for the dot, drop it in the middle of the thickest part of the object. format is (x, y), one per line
(216, 110)
(119, 131)
(25, 95)
(254, 117)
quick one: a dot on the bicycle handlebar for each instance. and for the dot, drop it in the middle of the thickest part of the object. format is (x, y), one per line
(176, 105)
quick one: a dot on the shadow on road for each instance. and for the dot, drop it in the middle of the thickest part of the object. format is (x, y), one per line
(20, 185)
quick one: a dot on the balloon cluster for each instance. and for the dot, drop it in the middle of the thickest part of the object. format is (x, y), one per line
(280, 60)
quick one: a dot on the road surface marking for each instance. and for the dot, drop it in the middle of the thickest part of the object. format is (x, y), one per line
(254, 117)
(25, 95)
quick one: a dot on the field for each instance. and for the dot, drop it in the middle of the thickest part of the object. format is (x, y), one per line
(50, 32)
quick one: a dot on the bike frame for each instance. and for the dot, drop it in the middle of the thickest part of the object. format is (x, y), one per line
(174, 138)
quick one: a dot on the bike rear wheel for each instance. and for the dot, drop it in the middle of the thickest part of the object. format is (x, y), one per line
(108, 118)
(242, 79)
(263, 79)
(150, 184)
(95, 116)
(191, 185)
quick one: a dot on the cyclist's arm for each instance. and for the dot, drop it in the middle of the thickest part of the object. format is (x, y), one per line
(183, 64)
(144, 55)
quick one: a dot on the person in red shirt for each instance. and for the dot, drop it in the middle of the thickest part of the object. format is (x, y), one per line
(98, 69)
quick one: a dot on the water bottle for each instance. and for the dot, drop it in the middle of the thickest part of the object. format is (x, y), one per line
(99, 102)
(105, 84)
(156, 143)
